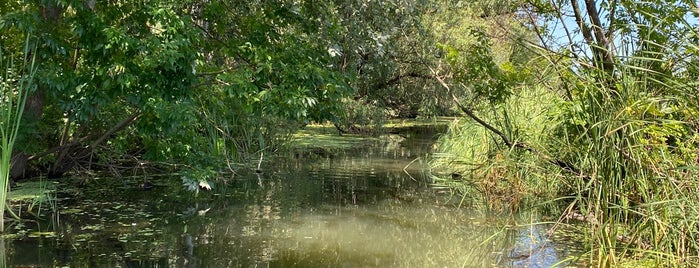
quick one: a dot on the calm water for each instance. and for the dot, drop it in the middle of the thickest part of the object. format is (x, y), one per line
(362, 206)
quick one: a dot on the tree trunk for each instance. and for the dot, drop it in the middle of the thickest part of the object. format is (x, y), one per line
(34, 108)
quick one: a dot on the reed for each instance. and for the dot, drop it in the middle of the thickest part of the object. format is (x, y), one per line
(480, 167)
(638, 190)
(15, 84)
(632, 136)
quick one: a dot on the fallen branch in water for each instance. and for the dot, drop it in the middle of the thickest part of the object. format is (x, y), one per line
(406, 167)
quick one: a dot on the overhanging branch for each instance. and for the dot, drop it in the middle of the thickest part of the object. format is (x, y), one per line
(396, 79)
(505, 139)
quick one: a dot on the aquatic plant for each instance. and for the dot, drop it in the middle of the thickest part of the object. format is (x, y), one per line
(16, 83)
(622, 146)
(480, 167)
(636, 150)
(631, 133)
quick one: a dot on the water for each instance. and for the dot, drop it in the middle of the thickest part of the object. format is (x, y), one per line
(367, 204)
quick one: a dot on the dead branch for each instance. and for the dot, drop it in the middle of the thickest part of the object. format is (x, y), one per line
(81, 140)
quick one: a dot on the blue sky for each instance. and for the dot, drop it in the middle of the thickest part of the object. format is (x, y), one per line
(559, 38)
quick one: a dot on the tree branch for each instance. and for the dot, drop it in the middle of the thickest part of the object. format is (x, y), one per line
(599, 44)
(604, 52)
(102, 138)
(396, 79)
(122, 124)
(558, 162)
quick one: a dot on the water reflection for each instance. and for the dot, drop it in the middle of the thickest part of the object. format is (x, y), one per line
(359, 208)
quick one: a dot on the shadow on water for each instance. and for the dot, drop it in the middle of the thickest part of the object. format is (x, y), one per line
(366, 205)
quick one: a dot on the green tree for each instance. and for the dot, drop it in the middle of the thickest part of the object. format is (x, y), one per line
(170, 80)
(101, 66)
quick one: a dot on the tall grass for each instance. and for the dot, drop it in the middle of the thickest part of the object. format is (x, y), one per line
(633, 132)
(631, 143)
(480, 166)
(633, 135)
(15, 83)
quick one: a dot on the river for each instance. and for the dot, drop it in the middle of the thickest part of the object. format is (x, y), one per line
(364, 203)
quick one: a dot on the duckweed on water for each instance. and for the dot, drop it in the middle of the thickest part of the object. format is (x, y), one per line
(359, 208)
(31, 191)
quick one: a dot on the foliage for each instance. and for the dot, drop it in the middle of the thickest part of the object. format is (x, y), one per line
(625, 141)
(164, 80)
(99, 66)
(361, 118)
(201, 84)
(603, 100)
(634, 144)
(254, 90)
(481, 168)
(485, 59)
(384, 48)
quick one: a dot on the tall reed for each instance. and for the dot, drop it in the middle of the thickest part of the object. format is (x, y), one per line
(632, 136)
(483, 169)
(637, 191)
(15, 84)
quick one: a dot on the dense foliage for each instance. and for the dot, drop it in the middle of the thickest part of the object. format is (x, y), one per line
(592, 103)
(239, 74)
(609, 126)
(171, 80)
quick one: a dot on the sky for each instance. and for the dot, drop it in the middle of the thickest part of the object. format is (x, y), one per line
(558, 39)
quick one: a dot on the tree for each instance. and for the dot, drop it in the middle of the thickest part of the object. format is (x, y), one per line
(111, 74)
(102, 66)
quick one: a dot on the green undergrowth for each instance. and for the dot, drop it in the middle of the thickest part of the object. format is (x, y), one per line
(633, 153)
(474, 162)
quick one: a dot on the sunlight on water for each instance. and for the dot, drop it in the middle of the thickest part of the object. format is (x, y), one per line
(369, 206)
(391, 234)
(385, 236)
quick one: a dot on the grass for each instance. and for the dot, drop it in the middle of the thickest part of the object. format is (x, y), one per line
(477, 165)
(641, 202)
(635, 147)
(15, 83)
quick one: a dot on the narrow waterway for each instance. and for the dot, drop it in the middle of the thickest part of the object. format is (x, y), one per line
(366, 203)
